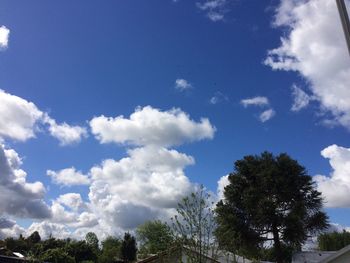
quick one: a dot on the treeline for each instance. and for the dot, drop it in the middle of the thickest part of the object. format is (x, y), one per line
(333, 241)
(55, 250)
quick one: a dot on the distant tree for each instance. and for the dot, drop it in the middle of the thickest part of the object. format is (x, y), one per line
(81, 251)
(110, 250)
(333, 241)
(92, 240)
(194, 225)
(154, 236)
(56, 255)
(34, 238)
(128, 248)
(269, 198)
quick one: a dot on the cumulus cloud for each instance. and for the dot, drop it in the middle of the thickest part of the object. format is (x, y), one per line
(336, 187)
(21, 119)
(66, 134)
(47, 229)
(4, 37)
(71, 200)
(9, 228)
(222, 183)
(300, 98)
(150, 126)
(18, 197)
(146, 184)
(314, 46)
(139, 187)
(68, 177)
(182, 85)
(267, 115)
(214, 9)
(218, 98)
(255, 101)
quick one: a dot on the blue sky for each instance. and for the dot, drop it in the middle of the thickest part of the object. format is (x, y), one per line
(72, 62)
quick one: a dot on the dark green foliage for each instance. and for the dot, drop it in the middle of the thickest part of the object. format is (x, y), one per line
(92, 240)
(333, 241)
(17, 245)
(154, 236)
(81, 251)
(34, 238)
(128, 248)
(110, 250)
(268, 195)
(57, 255)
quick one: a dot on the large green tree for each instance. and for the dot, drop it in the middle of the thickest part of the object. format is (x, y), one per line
(154, 236)
(269, 199)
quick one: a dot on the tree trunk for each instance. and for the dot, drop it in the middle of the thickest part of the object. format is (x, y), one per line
(277, 244)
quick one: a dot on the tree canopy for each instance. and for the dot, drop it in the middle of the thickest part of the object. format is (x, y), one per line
(154, 236)
(268, 199)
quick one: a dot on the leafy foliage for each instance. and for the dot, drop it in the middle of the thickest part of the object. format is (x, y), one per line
(57, 255)
(333, 241)
(111, 247)
(154, 236)
(268, 199)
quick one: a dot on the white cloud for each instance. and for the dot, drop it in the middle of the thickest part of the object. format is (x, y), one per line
(68, 177)
(71, 200)
(300, 99)
(336, 187)
(262, 102)
(222, 183)
(255, 101)
(315, 47)
(66, 134)
(267, 115)
(214, 9)
(9, 228)
(182, 85)
(47, 229)
(18, 197)
(150, 126)
(21, 119)
(139, 187)
(4, 37)
(218, 98)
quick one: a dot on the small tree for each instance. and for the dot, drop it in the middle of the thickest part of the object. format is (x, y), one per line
(111, 247)
(34, 238)
(194, 225)
(154, 236)
(269, 199)
(92, 240)
(128, 248)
